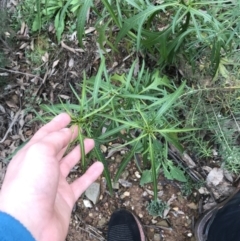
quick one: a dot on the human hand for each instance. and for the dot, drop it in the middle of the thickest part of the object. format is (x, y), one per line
(35, 190)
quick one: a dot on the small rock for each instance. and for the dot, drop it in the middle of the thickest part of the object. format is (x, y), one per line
(188, 221)
(103, 148)
(192, 206)
(150, 192)
(137, 174)
(181, 199)
(163, 223)
(93, 192)
(228, 175)
(215, 176)
(140, 215)
(154, 221)
(207, 168)
(102, 222)
(209, 205)
(118, 159)
(125, 183)
(87, 203)
(189, 235)
(156, 237)
(144, 194)
(125, 174)
(215, 153)
(126, 194)
(115, 185)
(203, 190)
(176, 209)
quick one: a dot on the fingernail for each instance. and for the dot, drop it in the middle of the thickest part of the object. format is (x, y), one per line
(59, 117)
(65, 129)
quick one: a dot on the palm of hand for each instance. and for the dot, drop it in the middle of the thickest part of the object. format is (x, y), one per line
(35, 190)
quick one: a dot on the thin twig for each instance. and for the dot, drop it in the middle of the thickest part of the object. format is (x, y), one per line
(92, 234)
(19, 72)
(158, 227)
(11, 125)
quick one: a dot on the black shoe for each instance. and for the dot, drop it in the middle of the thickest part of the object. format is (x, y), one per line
(221, 223)
(124, 226)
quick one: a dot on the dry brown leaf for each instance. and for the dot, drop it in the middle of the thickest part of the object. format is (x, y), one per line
(28, 133)
(90, 30)
(67, 47)
(32, 45)
(80, 50)
(71, 63)
(45, 57)
(51, 28)
(192, 206)
(23, 46)
(11, 104)
(169, 202)
(55, 63)
(74, 73)
(2, 109)
(23, 25)
(65, 97)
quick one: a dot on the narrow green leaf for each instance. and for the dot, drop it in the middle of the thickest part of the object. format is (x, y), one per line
(129, 77)
(124, 163)
(75, 93)
(112, 132)
(153, 167)
(172, 99)
(99, 109)
(173, 140)
(106, 172)
(82, 148)
(112, 14)
(81, 19)
(137, 21)
(61, 23)
(130, 124)
(98, 80)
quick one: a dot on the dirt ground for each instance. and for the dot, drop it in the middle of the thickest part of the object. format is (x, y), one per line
(177, 226)
(27, 88)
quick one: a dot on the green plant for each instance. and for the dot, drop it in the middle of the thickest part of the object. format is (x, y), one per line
(157, 207)
(170, 170)
(201, 32)
(215, 111)
(199, 146)
(227, 136)
(141, 107)
(194, 29)
(25, 12)
(34, 56)
(58, 11)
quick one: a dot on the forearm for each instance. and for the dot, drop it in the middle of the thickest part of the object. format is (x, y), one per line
(12, 230)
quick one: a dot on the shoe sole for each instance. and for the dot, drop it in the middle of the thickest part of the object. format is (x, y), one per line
(206, 219)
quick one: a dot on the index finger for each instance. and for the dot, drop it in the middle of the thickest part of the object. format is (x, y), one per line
(56, 124)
